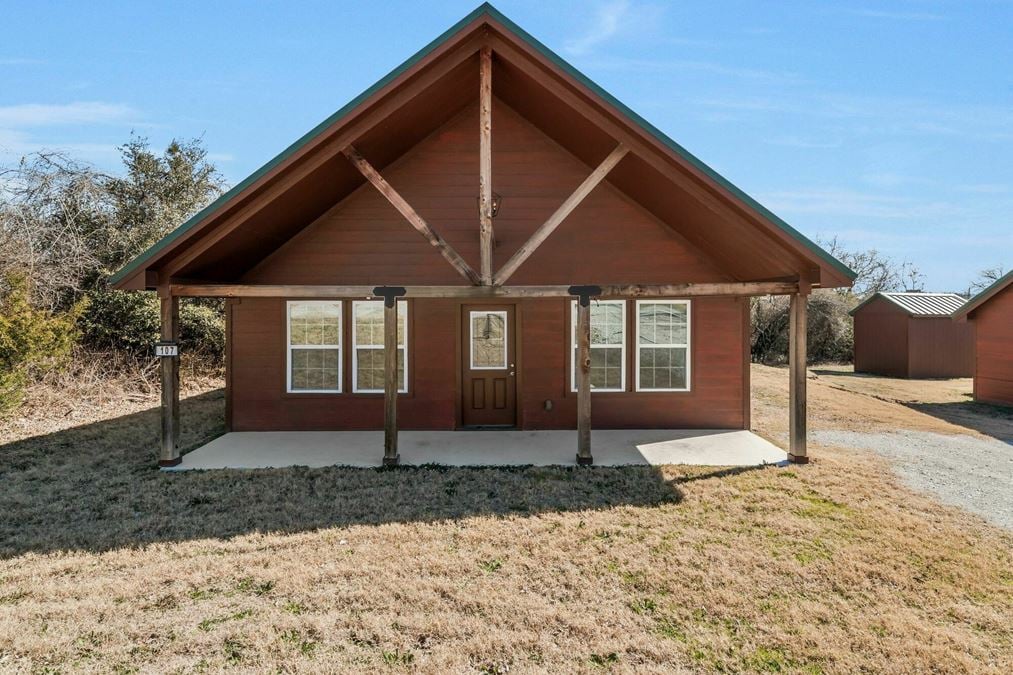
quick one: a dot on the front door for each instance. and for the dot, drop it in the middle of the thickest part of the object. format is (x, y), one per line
(488, 382)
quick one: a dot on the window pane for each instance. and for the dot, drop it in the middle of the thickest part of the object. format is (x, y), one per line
(606, 323)
(314, 369)
(663, 367)
(488, 340)
(369, 369)
(662, 323)
(314, 323)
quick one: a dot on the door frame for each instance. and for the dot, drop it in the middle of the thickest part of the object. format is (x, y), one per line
(517, 306)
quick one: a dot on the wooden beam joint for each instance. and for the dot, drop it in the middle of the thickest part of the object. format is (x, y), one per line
(556, 219)
(409, 213)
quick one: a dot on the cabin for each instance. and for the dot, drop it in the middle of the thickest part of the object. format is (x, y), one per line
(990, 313)
(484, 239)
(911, 335)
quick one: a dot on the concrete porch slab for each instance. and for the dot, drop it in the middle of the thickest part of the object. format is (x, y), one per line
(610, 447)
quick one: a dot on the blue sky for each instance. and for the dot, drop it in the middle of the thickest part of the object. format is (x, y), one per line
(888, 124)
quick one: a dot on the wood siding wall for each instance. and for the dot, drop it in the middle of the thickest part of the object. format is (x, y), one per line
(259, 401)
(890, 342)
(940, 347)
(607, 239)
(993, 327)
(881, 339)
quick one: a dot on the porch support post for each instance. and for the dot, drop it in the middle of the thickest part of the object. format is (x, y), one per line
(798, 321)
(169, 450)
(391, 385)
(485, 165)
(583, 331)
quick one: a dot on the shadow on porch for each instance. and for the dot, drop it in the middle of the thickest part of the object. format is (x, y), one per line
(96, 487)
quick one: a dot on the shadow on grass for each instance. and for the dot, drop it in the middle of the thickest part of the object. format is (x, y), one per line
(992, 420)
(96, 487)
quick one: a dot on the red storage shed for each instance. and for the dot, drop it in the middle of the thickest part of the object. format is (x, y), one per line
(912, 335)
(990, 313)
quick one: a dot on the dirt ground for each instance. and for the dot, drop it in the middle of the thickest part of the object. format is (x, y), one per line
(107, 564)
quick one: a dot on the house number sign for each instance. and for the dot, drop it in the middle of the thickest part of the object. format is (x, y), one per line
(166, 349)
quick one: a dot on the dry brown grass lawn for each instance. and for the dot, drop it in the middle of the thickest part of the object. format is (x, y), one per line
(110, 565)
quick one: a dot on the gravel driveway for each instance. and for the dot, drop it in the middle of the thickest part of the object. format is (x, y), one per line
(968, 471)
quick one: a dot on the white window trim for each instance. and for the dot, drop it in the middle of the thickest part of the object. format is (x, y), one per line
(403, 389)
(471, 339)
(573, 347)
(687, 345)
(289, 346)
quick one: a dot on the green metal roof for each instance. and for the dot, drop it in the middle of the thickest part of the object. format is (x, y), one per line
(488, 10)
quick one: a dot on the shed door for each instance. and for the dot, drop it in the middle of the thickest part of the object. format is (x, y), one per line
(488, 382)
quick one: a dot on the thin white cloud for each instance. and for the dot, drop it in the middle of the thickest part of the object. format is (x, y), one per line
(18, 61)
(803, 143)
(853, 203)
(47, 114)
(16, 144)
(900, 16)
(607, 22)
(871, 115)
(708, 67)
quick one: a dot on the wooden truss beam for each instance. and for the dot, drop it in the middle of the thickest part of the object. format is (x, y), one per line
(485, 164)
(413, 218)
(728, 289)
(550, 225)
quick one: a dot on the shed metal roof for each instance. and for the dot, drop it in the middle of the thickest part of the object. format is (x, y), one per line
(920, 304)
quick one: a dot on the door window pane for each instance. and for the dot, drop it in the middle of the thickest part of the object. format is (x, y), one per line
(488, 340)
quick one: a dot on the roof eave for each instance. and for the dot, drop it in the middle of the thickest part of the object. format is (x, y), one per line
(984, 296)
(123, 278)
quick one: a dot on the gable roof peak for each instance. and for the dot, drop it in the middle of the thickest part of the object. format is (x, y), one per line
(487, 14)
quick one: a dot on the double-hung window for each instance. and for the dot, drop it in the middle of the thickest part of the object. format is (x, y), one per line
(663, 345)
(367, 346)
(314, 347)
(608, 345)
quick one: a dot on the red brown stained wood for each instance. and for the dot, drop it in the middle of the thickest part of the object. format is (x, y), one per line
(715, 401)
(797, 379)
(390, 383)
(489, 396)
(406, 210)
(993, 327)
(169, 449)
(731, 235)
(485, 164)
(889, 341)
(560, 214)
(583, 383)
(608, 291)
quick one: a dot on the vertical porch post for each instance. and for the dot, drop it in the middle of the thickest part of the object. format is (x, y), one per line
(169, 451)
(390, 379)
(485, 165)
(798, 321)
(583, 330)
